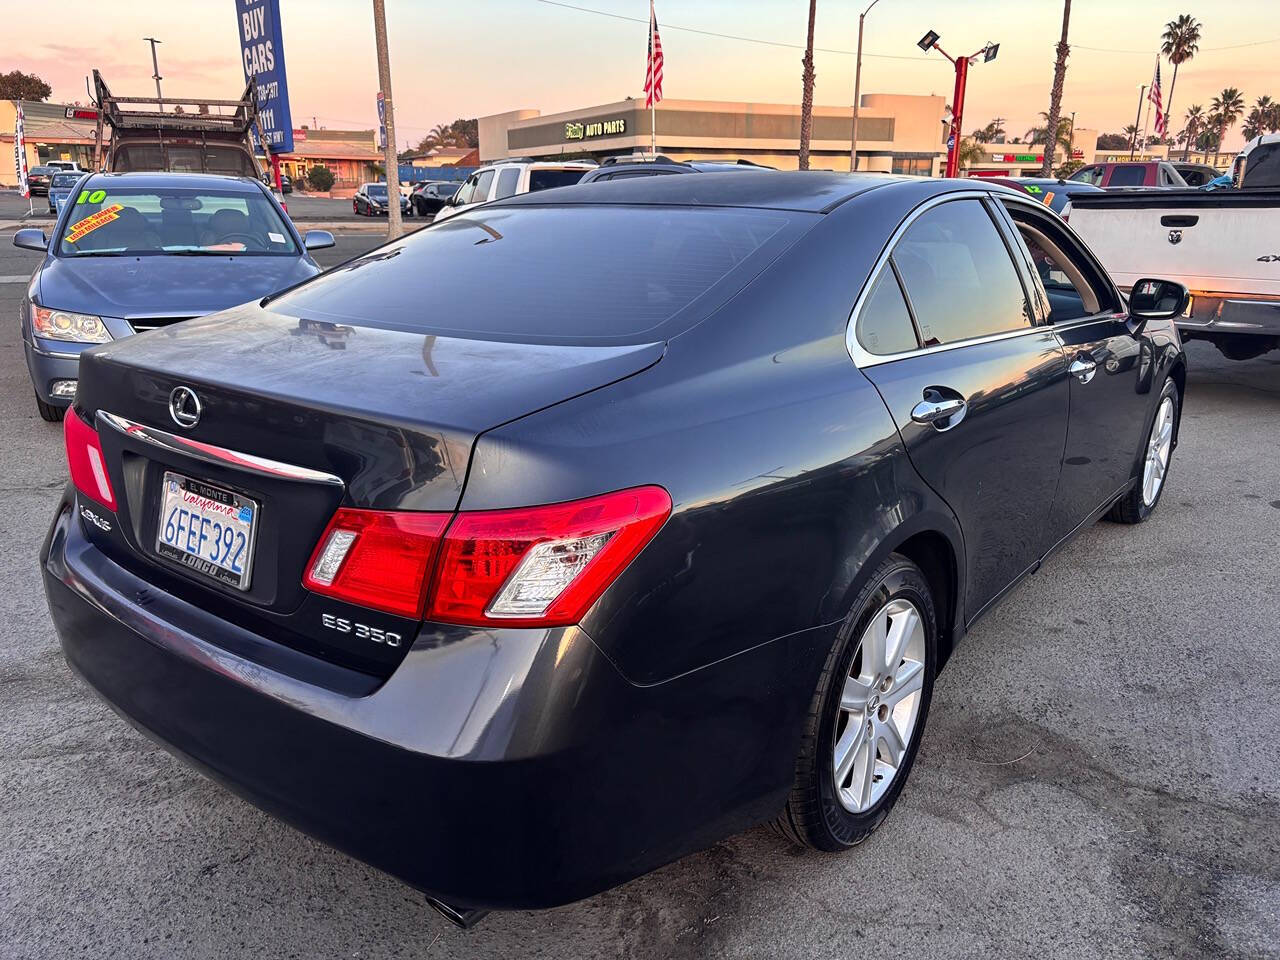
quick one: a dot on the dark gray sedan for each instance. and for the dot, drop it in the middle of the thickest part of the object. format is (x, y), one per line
(135, 251)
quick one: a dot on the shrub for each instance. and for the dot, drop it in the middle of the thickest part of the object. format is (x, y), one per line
(320, 178)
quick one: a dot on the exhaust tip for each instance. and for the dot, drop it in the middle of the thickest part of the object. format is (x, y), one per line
(461, 917)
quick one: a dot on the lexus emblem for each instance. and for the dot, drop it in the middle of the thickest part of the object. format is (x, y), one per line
(1175, 236)
(184, 407)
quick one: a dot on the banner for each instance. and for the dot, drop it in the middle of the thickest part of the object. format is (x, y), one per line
(262, 56)
(20, 154)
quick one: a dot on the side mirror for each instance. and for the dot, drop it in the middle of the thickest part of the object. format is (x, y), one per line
(31, 238)
(317, 239)
(1152, 299)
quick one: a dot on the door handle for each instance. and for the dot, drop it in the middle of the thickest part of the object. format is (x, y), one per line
(942, 414)
(1082, 369)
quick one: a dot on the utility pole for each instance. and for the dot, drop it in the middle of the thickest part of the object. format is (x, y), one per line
(394, 226)
(857, 90)
(155, 68)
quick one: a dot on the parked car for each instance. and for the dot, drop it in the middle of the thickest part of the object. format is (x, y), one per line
(68, 165)
(139, 251)
(62, 186)
(1224, 245)
(371, 201)
(628, 517)
(511, 178)
(269, 181)
(1196, 174)
(430, 195)
(624, 167)
(1053, 192)
(1130, 174)
(1258, 164)
(38, 179)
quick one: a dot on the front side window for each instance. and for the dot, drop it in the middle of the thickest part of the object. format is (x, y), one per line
(1071, 295)
(958, 275)
(172, 221)
(483, 179)
(884, 323)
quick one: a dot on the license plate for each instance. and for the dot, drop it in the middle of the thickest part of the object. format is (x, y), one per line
(207, 529)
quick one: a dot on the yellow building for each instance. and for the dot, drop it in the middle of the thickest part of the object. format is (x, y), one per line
(896, 133)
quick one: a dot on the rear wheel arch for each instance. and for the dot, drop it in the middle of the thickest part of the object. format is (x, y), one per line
(935, 555)
(1178, 374)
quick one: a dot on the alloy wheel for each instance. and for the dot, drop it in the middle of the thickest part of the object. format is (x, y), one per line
(1159, 445)
(879, 705)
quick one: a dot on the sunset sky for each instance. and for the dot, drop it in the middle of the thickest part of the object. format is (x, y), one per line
(469, 59)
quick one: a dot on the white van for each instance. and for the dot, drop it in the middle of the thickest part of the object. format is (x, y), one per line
(509, 177)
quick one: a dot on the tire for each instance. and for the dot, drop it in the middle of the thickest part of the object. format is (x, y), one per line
(48, 412)
(834, 817)
(1138, 504)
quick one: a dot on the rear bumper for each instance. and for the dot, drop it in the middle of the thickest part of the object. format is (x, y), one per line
(496, 769)
(1222, 313)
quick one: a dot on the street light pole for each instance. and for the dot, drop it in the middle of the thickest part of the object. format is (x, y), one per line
(857, 90)
(930, 42)
(155, 68)
(394, 225)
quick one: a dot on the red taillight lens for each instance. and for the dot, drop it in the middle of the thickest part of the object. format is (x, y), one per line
(545, 565)
(377, 559)
(85, 460)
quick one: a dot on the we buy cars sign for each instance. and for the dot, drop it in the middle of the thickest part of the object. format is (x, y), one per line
(262, 56)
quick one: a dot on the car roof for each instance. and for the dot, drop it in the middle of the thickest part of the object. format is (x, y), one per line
(157, 180)
(809, 191)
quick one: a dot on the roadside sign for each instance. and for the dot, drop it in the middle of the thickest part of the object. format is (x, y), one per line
(20, 153)
(951, 141)
(262, 56)
(382, 121)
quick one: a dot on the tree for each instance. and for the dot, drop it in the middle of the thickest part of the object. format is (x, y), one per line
(1040, 134)
(1180, 43)
(1269, 114)
(970, 152)
(320, 178)
(990, 133)
(1113, 141)
(17, 85)
(1131, 132)
(1055, 95)
(1227, 108)
(806, 96)
(1195, 123)
(466, 132)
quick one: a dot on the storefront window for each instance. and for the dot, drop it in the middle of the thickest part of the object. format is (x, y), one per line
(917, 166)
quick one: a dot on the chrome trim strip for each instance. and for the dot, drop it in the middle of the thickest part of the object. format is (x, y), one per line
(220, 456)
(860, 356)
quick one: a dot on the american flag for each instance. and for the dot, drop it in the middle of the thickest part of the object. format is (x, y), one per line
(653, 69)
(1158, 101)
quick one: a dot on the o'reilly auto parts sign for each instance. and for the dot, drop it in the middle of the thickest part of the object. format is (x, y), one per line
(262, 55)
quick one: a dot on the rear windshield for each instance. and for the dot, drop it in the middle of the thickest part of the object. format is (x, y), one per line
(172, 221)
(448, 189)
(569, 274)
(43, 171)
(546, 179)
(183, 158)
(64, 179)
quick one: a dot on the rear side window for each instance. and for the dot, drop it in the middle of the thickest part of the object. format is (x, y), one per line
(958, 275)
(1091, 175)
(546, 179)
(1262, 166)
(508, 177)
(570, 274)
(1127, 175)
(884, 323)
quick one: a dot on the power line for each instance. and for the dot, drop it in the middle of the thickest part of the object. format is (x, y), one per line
(730, 36)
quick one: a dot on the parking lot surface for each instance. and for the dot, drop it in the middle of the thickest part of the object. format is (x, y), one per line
(1100, 776)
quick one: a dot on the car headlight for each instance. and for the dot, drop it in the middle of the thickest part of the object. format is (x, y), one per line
(65, 325)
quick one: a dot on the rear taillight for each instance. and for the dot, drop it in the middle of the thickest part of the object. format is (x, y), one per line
(377, 559)
(542, 566)
(85, 460)
(532, 566)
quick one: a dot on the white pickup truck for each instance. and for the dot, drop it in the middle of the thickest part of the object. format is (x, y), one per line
(1223, 246)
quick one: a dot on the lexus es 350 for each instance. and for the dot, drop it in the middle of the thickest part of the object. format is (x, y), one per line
(571, 534)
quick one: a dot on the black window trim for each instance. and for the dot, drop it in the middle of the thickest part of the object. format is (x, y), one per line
(863, 358)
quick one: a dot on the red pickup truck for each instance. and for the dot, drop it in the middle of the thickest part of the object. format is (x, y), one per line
(1136, 173)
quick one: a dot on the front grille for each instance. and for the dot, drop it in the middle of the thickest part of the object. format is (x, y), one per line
(142, 324)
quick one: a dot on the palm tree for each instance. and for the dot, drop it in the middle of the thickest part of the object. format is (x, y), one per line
(1253, 125)
(1131, 131)
(989, 133)
(806, 98)
(1195, 123)
(1269, 112)
(970, 152)
(1180, 43)
(1055, 94)
(1040, 134)
(1227, 107)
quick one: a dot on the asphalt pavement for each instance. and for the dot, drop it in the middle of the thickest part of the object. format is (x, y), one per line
(1100, 775)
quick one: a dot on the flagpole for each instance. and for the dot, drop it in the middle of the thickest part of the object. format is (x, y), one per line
(1146, 114)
